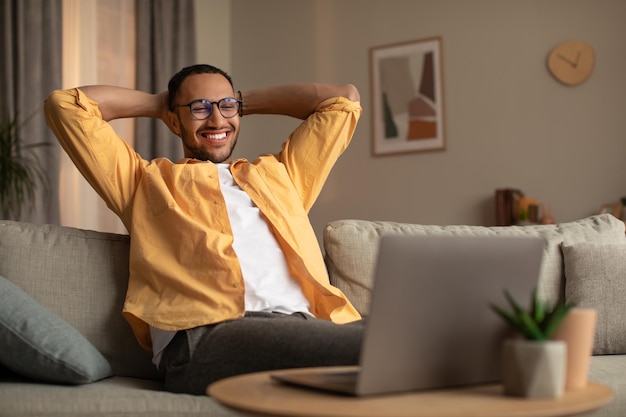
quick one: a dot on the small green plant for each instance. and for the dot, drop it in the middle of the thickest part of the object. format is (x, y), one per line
(20, 170)
(539, 322)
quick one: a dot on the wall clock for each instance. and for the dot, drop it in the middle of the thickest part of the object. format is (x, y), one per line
(572, 62)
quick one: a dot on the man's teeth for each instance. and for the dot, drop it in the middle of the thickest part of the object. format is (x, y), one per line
(216, 136)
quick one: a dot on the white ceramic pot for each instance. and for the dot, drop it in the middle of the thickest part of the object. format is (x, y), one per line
(534, 369)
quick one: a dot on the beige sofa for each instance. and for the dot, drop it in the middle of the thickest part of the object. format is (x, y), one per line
(583, 260)
(81, 276)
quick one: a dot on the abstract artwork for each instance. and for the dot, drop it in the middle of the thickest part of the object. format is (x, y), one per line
(407, 95)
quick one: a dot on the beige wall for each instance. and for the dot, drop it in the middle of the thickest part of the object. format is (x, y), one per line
(508, 122)
(213, 25)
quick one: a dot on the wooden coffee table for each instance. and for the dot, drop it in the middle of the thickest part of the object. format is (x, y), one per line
(258, 394)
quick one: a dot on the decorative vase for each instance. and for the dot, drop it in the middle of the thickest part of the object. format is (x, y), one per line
(534, 368)
(578, 332)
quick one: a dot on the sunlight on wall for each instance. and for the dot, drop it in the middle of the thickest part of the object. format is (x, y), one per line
(98, 48)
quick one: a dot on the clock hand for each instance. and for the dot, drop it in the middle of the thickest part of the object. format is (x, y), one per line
(569, 61)
(577, 59)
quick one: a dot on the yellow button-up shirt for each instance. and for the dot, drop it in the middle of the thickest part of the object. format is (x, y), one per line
(183, 270)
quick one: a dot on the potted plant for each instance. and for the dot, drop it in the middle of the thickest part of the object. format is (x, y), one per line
(20, 170)
(533, 365)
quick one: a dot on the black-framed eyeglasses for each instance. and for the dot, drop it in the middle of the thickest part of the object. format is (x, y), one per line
(203, 109)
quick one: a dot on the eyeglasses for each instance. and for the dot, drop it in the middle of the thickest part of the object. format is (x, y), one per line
(203, 109)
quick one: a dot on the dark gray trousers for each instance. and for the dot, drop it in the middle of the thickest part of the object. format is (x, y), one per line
(257, 342)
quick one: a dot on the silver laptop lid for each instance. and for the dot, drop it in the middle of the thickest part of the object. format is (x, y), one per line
(430, 322)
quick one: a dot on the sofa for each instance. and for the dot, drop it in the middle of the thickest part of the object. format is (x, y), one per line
(65, 349)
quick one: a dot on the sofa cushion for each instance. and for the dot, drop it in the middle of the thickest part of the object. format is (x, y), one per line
(595, 276)
(82, 276)
(111, 397)
(351, 248)
(37, 343)
(609, 370)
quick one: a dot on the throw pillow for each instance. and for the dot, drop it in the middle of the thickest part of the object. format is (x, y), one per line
(36, 343)
(595, 276)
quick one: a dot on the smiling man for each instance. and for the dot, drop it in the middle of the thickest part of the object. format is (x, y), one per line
(214, 140)
(226, 275)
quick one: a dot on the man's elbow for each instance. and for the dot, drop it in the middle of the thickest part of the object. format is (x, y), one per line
(51, 105)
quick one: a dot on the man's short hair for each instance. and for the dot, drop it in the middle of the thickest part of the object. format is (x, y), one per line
(176, 81)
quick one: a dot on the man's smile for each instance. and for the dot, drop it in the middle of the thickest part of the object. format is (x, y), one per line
(214, 137)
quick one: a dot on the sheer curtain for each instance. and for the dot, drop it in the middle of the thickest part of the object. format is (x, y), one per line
(30, 67)
(99, 48)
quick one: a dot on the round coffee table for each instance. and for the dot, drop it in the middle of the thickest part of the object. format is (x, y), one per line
(257, 393)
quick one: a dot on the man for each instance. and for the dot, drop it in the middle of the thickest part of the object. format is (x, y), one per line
(226, 275)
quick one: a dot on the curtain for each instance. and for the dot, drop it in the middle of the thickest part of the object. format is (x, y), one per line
(165, 44)
(30, 48)
(98, 48)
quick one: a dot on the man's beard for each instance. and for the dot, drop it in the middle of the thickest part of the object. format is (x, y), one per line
(203, 154)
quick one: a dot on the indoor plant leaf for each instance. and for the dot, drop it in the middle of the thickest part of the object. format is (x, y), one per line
(539, 322)
(20, 169)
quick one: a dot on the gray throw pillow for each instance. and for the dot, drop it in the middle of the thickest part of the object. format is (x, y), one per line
(36, 343)
(595, 277)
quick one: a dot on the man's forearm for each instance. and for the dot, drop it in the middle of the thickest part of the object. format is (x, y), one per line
(119, 102)
(295, 100)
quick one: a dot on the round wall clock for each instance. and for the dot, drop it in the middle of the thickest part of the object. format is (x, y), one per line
(571, 62)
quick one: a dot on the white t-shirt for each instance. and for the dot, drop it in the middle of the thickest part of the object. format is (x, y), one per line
(269, 285)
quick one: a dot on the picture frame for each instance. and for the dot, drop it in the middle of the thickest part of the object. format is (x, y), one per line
(407, 97)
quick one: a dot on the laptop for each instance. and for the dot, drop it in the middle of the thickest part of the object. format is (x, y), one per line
(430, 324)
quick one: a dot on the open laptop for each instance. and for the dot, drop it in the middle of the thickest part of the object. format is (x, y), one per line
(430, 323)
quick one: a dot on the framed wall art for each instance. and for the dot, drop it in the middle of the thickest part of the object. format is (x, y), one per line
(407, 97)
